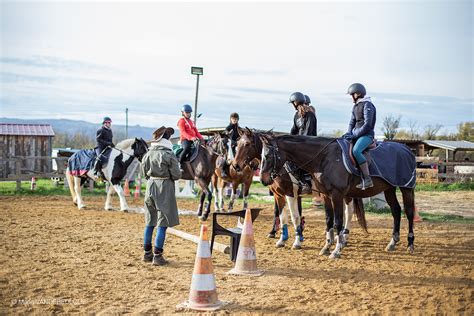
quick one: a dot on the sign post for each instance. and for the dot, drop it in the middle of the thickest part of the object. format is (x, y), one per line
(198, 71)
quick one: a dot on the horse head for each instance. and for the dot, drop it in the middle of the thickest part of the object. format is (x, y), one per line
(246, 149)
(140, 148)
(272, 160)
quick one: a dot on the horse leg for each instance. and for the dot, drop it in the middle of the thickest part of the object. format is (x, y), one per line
(207, 208)
(108, 200)
(325, 251)
(70, 182)
(296, 219)
(338, 204)
(123, 200)
(77, 189)
(216, 190)
(391, 198)
(246, 190)
(348, 212)
(201, 202)
(284, 228)
(276, 220)
(409, 206)
(232, 196)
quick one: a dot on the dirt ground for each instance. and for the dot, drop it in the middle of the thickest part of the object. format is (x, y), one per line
(57, 259)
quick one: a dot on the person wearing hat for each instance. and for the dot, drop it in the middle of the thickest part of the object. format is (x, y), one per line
(161, 169)
(188, 133)
(104, 143)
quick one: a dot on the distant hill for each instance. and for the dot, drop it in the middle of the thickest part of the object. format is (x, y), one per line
(72, 127)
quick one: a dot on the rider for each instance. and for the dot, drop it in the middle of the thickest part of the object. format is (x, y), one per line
(361, 129)
(188, 133)
(104, 143)
(233, 130)
(160, 168)
(304, 123)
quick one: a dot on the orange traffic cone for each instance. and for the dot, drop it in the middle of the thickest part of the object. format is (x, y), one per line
(126, 188)
(136, 194)
(417, 217)
(203, 294)
(246, 261)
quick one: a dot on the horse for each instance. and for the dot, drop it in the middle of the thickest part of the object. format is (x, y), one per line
(200, 169)
(121, 156)
(249, 147)
(322, 157)
(234, 177)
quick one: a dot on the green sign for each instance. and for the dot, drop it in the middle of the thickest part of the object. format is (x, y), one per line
(197, 70)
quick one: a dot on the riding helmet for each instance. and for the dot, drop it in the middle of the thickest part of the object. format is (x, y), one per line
(235, 115)
(187, 108)
(297, 97)
(307, 99)
(356, 88)
(106, 119)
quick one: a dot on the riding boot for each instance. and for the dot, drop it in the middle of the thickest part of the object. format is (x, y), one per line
(366, 179)
(148, 256)
(306, 185)
(158, 259)
(224, 168)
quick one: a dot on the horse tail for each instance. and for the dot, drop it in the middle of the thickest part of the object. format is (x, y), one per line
(360, 212)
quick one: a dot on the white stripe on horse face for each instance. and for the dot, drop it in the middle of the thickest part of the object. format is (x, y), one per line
(262, 161)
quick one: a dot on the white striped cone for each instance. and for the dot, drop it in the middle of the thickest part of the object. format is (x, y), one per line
(246, 261)
(203, 294)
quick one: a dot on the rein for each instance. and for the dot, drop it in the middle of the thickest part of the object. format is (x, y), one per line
(274, 174)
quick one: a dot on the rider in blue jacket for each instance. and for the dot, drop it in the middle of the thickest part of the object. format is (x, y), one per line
(361, 129)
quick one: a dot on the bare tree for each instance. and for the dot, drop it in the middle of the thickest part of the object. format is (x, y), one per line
(431, 131)
(413, 129)
(390, 126)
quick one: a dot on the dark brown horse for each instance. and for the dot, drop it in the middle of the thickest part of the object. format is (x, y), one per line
(285, 191)
(200, 169)
(322, 157)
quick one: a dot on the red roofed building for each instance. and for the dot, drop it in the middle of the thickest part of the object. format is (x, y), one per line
(25, 140)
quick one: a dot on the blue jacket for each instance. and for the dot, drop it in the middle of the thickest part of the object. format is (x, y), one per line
(363, 119)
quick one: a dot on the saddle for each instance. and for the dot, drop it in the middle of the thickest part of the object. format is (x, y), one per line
(391, 161)
(178, 150)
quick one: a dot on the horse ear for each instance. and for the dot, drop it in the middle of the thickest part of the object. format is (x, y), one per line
(248, 131)
(264, 139)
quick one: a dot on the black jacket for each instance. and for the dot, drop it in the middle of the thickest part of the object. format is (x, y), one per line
(235, 131)
(363, 119)
(306, 125)
(104, 138)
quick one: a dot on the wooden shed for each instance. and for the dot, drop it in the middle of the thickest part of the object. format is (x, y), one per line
(25, 141)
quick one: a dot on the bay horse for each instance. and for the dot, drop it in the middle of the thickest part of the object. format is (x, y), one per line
(121, 156)
(322, 157)
(244, 176)
(285, 192)
(200, 169)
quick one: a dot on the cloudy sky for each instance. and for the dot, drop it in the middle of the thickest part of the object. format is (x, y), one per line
(83, 60)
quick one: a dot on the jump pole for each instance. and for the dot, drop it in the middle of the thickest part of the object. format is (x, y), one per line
(195, 239)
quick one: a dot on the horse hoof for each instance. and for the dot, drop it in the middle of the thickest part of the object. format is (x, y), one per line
(411, 249)
(125, 210)
(280, 244)
(203, 218)
(335, 255)
(296, 247)
(271, 235)
(324, 252)
(390, 248)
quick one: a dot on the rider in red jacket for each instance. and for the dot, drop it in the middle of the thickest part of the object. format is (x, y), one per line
(188, 132)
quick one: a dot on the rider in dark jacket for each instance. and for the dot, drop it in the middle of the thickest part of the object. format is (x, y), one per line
(104, 143)
(304, 123)
(233, 130)
(361, 129)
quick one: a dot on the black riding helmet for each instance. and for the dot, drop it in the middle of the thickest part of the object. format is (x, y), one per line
(307, 100)
(297, 97)
(357, 88)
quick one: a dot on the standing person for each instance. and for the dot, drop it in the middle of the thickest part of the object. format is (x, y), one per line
(361, 129)
(304, 123)
(160, 168)
(188, 133)
(104, 143)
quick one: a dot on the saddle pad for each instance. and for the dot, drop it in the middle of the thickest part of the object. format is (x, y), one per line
(178, 149)
(81, 162)
(391, 161)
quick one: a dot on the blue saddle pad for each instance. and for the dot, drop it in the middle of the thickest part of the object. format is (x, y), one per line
(81, 162)
(391, 161)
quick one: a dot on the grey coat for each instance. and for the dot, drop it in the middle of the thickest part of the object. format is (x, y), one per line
(160, 201)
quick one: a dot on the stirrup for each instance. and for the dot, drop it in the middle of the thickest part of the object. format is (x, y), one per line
(365, 184)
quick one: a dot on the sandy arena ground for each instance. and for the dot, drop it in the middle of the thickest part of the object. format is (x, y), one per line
(56, 259)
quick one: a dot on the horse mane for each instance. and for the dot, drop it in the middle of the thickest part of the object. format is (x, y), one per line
(305, 139)
(126, 143)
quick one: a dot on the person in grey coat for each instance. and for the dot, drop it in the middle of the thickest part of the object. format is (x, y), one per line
(161, 168)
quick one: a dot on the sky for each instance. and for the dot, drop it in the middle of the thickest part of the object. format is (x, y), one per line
(84, 60)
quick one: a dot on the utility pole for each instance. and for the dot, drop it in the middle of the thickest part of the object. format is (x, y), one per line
(196, 71)
(126, 123)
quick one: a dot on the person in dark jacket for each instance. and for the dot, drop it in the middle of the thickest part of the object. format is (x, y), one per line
(361, 129)
(104, 144)
(304, 123)
(233, 130)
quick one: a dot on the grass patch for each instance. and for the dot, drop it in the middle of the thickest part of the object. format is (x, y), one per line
(458, 186)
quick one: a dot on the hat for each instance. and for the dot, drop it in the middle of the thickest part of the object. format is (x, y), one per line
(162, 131)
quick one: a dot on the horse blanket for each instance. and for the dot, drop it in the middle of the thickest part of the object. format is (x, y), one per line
(81, 162)
(391, 161)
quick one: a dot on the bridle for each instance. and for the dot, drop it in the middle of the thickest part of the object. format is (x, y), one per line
(131, 155)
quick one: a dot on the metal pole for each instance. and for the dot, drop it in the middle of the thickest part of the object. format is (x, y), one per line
(126, 123)
(196, 100)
